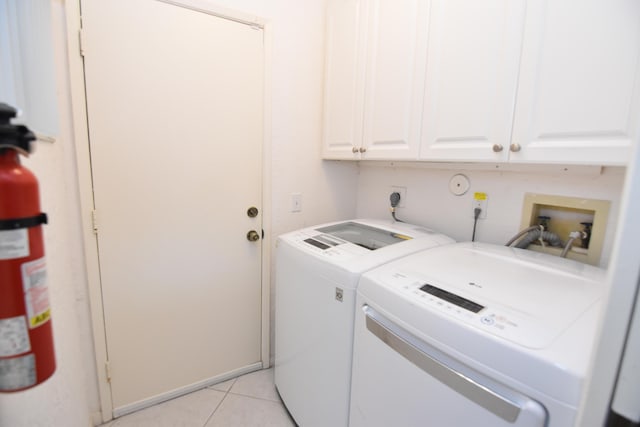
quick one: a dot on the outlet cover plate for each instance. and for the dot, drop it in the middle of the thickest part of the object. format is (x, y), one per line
(480, 200)
(403, 194)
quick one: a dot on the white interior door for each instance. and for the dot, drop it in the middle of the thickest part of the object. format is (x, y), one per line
(175, 100)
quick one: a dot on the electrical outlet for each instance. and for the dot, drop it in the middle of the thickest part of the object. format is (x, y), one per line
(403, 194)
(296, 202)
(480, 200)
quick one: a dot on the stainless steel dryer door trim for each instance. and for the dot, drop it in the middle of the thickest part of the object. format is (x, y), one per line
(505, 403)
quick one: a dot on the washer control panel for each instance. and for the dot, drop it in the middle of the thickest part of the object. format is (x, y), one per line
(500, 321)
(328, 246)
(452, 298)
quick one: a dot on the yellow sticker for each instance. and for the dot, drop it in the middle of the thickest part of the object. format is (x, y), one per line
(36, 295)
(402, 236)
(40, 319)
(480, 196)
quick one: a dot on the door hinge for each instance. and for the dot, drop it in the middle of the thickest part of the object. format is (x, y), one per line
(94, 221)
(107, 370)
(81, 39)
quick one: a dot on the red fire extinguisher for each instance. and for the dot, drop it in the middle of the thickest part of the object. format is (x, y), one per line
(26, 338)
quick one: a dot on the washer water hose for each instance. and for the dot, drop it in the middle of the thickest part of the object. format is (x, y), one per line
(572, 237)
(533, 233)
(523, 232)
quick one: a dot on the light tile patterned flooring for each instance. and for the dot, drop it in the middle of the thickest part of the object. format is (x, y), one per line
(250, 400)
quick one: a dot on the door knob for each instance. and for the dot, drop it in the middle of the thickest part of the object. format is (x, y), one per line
(253, 236)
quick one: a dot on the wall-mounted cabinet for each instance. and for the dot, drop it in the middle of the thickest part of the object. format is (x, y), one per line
(374, 79)
(344, 68)
(483, 81)
(471, 80)
(579, 84)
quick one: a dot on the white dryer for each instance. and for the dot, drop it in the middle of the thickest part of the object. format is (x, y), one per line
(474, 335)
(317, 271)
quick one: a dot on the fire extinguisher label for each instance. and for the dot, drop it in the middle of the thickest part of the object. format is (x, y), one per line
(17, 373)
(36, 295)
(14, 336)
(14, 243)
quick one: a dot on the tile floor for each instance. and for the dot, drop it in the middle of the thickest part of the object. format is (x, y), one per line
(250, 400)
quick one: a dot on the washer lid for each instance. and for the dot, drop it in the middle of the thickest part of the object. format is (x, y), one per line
(361, 244)
(525, 297)
(363, 235)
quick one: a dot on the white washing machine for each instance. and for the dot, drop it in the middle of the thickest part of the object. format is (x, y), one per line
(473, 335)
(317, 271)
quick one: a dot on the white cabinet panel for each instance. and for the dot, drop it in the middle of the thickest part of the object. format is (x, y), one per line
(374, 78)
(578, 90)
(396, 59)
(344, 84)
(472, 72)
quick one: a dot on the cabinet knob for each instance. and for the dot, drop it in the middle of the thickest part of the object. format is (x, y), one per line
(363, 150)
(497, 148)
(515, 148)
(354, 150)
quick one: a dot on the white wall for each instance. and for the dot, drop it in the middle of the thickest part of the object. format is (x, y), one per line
(430, 203)
(70, 397)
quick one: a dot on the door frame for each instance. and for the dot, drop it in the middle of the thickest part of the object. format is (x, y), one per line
(85, 184)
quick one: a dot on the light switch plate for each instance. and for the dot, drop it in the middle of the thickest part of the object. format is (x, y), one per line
(296, 202)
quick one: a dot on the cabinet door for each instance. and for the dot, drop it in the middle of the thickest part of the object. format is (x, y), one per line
(396, 59)
(344, 79)
(472, 72)
(578, 89)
